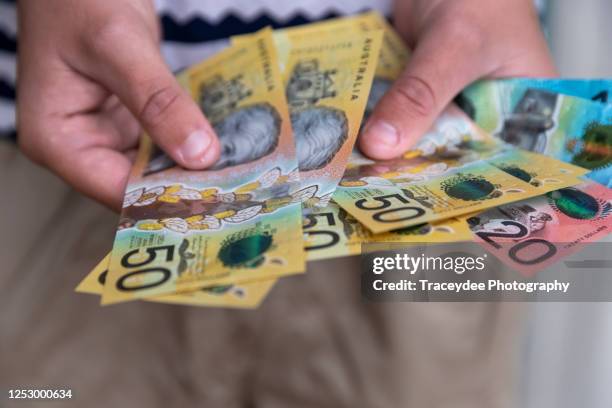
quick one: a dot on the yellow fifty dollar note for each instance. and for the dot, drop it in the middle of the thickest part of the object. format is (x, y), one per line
(247, 296)
(327, 80)
(393, 52)
(541, 171)
(449, 191)
(331, 232)
(328, 70)
(475, 186)
(240, 221)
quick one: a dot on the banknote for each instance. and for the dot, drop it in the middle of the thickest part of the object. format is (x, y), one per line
(239, 221)
(535, 233)
(595, 89)
(425, 189)
(571, 129)
(393, 52)
(328, 70)
(331, 232)
(543, 172)
(246, 296)
(327, 81)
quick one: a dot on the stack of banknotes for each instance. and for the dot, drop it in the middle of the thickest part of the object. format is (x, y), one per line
(520, 161)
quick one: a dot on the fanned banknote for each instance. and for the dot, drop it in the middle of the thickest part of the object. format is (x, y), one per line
(222, 237)
(327, 83)
(240, 221)
(453, 143)
(532, 234)
(246, 296)
(331, 232)
(328, 70)
(387, 195)
(571, 129)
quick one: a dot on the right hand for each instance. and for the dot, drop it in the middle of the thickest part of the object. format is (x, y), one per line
(90, 73)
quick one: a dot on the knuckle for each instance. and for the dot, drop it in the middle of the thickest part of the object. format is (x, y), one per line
(416, 95)
(466, 32)
(157, 104)
(104, 34)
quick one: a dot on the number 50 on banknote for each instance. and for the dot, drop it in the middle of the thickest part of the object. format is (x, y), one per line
(238, 222)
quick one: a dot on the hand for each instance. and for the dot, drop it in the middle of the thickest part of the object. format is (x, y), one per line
(454, 42)
(90, 72)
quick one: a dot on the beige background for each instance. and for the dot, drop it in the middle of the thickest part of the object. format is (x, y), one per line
(567, 356)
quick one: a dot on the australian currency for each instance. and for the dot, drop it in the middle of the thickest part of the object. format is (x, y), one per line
(532, 234)
(392, 57)
(441, 189)
(543, 172)
(377, 193)
(288, 106)
(393, 52)
(331, 232)
(240, 221)
(572, 129)
(598, 90)
(327, 81)
(244, 296)
(454, 140)
(327, 87)
(328, 69)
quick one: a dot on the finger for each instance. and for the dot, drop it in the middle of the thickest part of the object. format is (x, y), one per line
(127, 61)
(127, 126)
(98, 172)
(438, 69)
(89, 152)
(114, 128)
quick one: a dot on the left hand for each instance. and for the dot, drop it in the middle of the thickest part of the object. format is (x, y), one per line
(454, 42)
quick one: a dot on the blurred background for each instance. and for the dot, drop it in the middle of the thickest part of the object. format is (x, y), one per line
(567, 348)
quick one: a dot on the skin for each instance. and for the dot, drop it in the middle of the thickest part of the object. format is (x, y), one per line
(91, 76)
(454, 42)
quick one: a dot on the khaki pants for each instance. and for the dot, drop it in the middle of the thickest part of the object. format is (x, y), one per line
(313, 343)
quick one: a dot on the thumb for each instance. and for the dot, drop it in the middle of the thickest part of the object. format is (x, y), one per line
(130, 65)
(436, 72)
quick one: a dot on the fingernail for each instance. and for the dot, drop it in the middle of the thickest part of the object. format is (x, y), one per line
(193, 150)
(210, 157)
(382, 132)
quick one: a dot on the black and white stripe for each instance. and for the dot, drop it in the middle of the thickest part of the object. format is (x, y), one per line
(8, 53)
